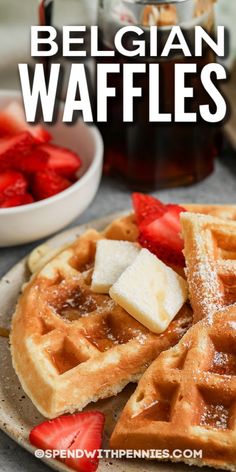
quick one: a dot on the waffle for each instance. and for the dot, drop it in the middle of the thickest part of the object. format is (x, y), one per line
(71, 346)
(210, 253)
(186, 400)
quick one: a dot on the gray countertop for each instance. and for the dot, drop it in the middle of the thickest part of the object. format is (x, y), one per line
(220, 187)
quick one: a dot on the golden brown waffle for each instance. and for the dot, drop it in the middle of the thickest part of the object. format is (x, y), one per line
(71, 346)
(210, 253)
(186, 400)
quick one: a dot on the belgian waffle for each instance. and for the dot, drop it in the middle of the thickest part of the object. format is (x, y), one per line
(187, 398)
(210, 253)
(71, 346)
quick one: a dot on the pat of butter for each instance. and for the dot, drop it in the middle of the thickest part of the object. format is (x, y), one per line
(112, 258)
(150, 291)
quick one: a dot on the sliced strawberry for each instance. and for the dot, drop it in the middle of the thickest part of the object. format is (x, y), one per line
(147, 208)
(63, 161)
(36, 161)
(89, 438)
(12, 122)
(162, 236)
(173, 216)
(12, 148)
(17, 200)
(81, 431)
(11, 184)
(47, 183)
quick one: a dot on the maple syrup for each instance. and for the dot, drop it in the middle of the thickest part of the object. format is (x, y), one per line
(155, 155)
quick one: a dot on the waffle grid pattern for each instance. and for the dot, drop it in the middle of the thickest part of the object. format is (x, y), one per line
(187, 397)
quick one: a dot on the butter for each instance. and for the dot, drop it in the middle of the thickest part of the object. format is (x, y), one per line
(112, 258)
(150, 291)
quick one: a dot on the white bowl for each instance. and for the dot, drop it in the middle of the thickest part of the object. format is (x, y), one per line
(28, 223)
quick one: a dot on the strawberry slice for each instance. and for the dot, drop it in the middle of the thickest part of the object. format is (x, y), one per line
(17, 200)
(11, 149)
(162, 236)
(159, 228)
(89, 438)
(47, 183)
(81, 431)
(147, 208)
(11, 184)
(12, 122)
(173, 216)
(63, 161)
(34, 162)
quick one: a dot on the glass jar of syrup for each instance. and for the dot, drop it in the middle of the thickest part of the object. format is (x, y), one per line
(157, 155)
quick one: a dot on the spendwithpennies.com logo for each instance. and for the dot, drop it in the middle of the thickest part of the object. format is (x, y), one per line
(160, 454)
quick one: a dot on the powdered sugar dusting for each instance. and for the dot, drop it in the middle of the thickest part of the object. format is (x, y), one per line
(215, 416)
(204, 283)
(232, 324)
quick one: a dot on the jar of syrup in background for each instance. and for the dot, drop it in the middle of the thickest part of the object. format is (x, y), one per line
(157, 155)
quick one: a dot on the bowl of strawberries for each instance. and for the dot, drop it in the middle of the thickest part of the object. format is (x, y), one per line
(48, 174)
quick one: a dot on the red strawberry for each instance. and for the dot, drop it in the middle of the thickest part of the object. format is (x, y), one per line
(11, 148)
(36, 161)
(11, 184)
(81, 431)
(147, 208)
(88, 439)
(162, 236)
(173, 216)
(47, 183)
(12, 122)
(63, 161)
(17, 200)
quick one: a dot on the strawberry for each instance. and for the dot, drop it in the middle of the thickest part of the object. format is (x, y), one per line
(173, 216)
(63, 161)
(34, 162)
(47, 183)
(162, 236)
(88, 439)
(147, 208)
(11, 184)
(12, 122)
(16, 200)
(159, 228)
(12, 148)
(81, 431)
